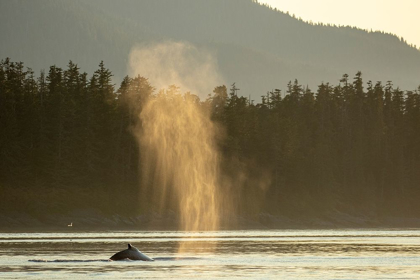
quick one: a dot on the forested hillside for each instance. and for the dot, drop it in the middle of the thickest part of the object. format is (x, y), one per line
(354, 147)
(46, 32)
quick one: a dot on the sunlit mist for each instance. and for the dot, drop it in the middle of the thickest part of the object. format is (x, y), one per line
(190, 67)
(180, 160)
(180, 141)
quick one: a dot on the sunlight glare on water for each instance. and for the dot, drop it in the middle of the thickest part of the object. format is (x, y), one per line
(271, 254)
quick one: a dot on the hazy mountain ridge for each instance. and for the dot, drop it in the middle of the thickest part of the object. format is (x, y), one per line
(256, 46)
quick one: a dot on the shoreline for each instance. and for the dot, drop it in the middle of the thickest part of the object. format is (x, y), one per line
(95, 221)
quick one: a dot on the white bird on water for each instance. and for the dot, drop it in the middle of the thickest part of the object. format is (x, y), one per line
(70, 225)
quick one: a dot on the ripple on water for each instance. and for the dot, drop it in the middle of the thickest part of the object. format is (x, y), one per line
(323, 254)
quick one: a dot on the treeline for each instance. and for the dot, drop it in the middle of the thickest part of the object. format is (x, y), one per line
(343, 148)
(66, 142)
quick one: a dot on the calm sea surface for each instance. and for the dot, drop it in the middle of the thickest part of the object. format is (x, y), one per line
(271, 254)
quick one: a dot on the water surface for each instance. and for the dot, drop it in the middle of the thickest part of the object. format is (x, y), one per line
(271, 254)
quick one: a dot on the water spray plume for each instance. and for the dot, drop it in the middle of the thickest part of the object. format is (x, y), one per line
(180, 159)
(180, 141)
(191, 68)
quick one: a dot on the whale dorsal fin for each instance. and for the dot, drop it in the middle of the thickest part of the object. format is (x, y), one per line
(129, 246)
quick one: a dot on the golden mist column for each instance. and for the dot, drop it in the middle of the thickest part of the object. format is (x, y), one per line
(179, 141)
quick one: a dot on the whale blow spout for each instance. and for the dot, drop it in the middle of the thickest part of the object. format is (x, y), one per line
(132, 253)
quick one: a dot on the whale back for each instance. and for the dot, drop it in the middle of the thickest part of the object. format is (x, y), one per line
(131, 253)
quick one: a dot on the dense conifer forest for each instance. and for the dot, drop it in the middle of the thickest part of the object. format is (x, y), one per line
(66, 142)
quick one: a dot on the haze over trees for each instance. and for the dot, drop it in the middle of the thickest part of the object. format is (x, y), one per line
(255, 46)
(353, 147)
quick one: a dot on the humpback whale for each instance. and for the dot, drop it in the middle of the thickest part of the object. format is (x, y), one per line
(131, 253)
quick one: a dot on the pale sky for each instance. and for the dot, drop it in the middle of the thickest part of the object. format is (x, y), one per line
(400, 17)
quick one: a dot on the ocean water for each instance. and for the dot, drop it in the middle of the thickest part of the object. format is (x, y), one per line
(248, 254)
